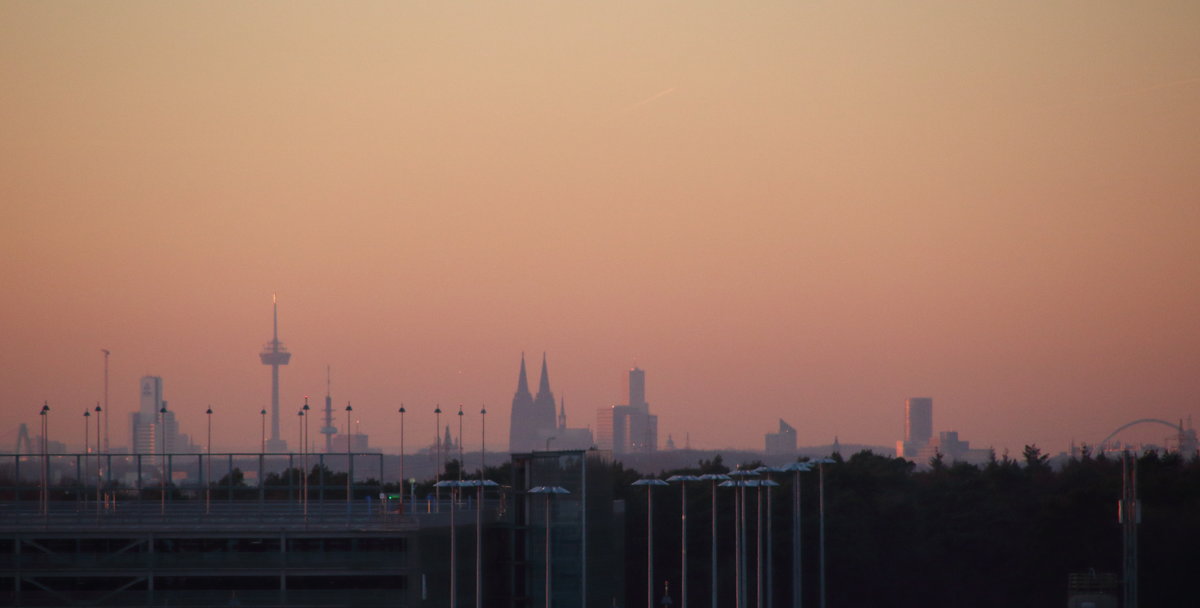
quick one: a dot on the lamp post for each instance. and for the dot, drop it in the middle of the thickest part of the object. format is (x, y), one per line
(349, 457)
(162, 458)
(649, 483)
(482, 440)
(480, 485)
(99, 476)
(86, 450)
(263, 435)
(821, 462)
(453, 485)
(208, 467)
(769, 484)
(740, 483)
(797, 572)
(714, 478)
(437, 447)
(462, 460)
(45, 493)
(303, 464)
(402, 411)
(550, 491)
(683, 578)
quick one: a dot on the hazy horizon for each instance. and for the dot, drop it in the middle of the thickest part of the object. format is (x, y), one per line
(808, 211)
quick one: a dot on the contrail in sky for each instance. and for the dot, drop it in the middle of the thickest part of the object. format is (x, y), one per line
(651, 98)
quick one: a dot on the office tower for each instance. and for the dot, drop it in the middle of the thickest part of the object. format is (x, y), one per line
(918, 420)
(783, 442)
(629, 427)
(152, 430)
(275, 354)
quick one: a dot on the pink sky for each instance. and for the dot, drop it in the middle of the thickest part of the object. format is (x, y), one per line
(798, 210)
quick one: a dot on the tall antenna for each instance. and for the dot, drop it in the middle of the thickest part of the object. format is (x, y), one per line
(328, 430)
(275, 354)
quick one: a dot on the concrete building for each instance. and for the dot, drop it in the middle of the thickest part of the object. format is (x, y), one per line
(629, 428)
(782, 443)
(918, 427)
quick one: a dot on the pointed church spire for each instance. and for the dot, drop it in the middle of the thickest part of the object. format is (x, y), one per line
(562, 412)
(522, 380)
(544, 384)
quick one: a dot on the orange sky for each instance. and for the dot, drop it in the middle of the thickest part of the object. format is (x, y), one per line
(798, 210)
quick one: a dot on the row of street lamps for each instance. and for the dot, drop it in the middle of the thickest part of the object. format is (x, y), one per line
(740, 480)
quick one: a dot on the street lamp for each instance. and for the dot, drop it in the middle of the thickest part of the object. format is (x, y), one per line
(453, 485)
(740, 483)
(796, 468)
(349, 457)
(402, 411)
(162, 458)
(550, 491)
(770, 570)
(683, 479)
(44, 413)
(714, 478)
(264, 431)
(86, 450)
(821, 462)
(479, 485)
(482, 440)
(99, 477)
(437, 447)
(208, 467)
(300, 496)
(462, 460)
(650, 483)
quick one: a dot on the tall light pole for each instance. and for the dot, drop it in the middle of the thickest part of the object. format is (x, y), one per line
(162, 459)
(821, 462)
(264, 431)
(86, 450)
(480, 485)
(740, 483)
(650, 483)
(713, 478)
(482, 440)
(683, 578)
(453, 485)
(549, 492)
(106, 354)
(462, 459)
(349, 467)
(402, 411)
(303, 465)
(208, 467)
(769, 484)
(99, 476)
(304, 454)
(45, 493)
(437, 446)
(797, 572)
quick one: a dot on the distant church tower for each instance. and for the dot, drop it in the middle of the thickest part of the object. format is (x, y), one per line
(531, 417)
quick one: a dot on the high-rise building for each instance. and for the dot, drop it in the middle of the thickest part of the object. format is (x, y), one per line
(155, 431)
(783, 442)
(629, 427)
(918, 420)
(531, 417)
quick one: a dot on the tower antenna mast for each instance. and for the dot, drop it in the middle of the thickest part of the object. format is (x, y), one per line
(275, 354)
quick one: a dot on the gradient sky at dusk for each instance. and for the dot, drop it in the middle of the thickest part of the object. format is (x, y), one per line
(799, 210)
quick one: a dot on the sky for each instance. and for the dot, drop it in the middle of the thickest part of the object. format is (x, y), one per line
(800, 210)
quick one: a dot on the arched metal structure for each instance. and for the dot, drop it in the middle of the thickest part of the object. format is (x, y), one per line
(1105, 441)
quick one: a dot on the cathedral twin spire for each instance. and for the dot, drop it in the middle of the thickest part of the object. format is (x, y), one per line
(532, 417)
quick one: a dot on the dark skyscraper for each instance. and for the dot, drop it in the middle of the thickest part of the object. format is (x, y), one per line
(918, 420)
(533, 419)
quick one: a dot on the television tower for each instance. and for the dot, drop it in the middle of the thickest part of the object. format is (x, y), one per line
(328, 430)
(275, 354)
